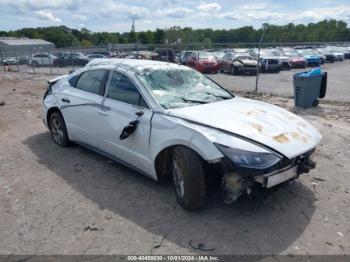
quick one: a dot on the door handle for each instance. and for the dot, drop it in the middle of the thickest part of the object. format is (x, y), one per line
(139, 113)
(65, 100)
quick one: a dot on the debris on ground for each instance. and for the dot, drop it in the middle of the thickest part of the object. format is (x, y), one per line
(340, 234)
(157, 241)
(200, 247)
(319, 179)
(92, 228)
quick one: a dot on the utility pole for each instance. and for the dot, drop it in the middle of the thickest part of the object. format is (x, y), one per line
(257, 65)
(133, 35)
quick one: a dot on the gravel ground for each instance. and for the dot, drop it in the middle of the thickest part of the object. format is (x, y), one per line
(72, 201)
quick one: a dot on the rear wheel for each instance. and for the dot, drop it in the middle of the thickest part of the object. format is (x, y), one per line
(58, 129)
(188, 177)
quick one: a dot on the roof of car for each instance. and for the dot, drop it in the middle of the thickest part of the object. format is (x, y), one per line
(137, 64)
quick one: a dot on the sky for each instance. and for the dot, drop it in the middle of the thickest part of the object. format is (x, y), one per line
(117, 15)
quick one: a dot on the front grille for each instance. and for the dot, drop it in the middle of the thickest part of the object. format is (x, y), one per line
(250, 66)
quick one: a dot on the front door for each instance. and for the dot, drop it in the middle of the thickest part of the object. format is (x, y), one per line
(123, 105)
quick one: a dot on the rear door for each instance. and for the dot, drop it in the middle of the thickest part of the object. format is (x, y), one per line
(124, 104)
(80, 105)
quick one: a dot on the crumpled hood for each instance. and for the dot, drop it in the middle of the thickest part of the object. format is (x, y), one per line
(264, 123)
(247, 61)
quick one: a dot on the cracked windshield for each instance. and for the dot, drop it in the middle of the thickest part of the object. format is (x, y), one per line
(180, 88)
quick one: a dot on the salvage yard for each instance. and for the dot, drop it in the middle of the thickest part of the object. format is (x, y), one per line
(72, 201)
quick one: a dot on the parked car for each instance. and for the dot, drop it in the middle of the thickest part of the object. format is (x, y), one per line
(338, 52)
(269, 62)
(165, 54)
(311, 58)
(105, 53)
(93, 56)
(239, 64)
(42, 59)
(167, 120)
(219, 55)
(284, 60)
(185, 56)
(71, 59)
(204, 62)
(10, 61)
(329, 56)
(295, 59)
(346, 52)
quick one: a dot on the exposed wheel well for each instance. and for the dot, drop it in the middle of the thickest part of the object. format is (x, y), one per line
(163, 164)
(49, 113)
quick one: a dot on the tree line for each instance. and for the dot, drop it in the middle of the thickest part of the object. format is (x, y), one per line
(62, 36)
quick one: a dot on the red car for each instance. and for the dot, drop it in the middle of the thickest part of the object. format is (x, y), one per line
(204, 62)
(295, 59)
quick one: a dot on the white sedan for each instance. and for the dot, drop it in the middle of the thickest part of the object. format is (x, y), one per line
(167, 120)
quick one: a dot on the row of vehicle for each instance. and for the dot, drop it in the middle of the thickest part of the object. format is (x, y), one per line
(61, 59)
(248, 61)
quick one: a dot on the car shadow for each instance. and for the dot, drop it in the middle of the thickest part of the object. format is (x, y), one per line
(243, 227)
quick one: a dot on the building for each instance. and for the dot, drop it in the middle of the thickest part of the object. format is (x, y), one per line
(13, 44)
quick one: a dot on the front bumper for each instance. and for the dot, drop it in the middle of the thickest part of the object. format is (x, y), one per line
(297, 64)
(239, 181)
(247, 70)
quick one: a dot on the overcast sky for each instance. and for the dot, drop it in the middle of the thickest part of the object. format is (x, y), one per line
(116, 15)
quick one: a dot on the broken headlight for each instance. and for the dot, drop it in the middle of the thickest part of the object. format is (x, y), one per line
(247, 159)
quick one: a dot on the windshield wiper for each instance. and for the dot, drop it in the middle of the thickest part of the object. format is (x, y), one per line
(194, 101)
(222, 97)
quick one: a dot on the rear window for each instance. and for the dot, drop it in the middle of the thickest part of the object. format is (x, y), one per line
(92, 82)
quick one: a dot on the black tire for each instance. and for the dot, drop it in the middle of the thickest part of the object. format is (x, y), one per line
(234, 70)
(35, 64)
(58, 129)
(188, 176)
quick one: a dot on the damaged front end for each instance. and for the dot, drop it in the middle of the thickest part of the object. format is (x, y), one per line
(244, 171)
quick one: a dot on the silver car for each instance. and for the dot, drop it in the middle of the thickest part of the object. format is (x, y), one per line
(167, 120)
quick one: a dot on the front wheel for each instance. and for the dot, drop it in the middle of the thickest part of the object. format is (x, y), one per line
(58, 129)
(189, 178)
(234, 70)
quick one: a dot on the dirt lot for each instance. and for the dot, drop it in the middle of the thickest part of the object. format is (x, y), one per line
(72, 201)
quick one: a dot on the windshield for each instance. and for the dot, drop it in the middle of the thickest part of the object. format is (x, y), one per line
(177, 88)
(219, 54)
(269, 53)
(205, 55)
(291, 53)
(307, 52)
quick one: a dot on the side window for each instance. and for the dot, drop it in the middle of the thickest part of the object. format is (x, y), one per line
(121, 88)
(92, 81)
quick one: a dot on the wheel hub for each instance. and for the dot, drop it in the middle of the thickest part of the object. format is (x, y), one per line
(57, 131)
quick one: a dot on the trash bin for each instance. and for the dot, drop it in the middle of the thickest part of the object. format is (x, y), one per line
(308, 87)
